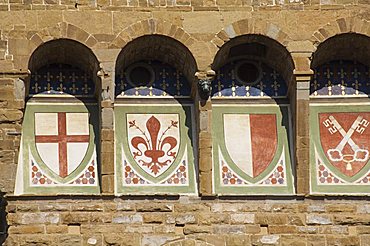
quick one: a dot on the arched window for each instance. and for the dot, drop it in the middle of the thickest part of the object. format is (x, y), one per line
(251, 118)
(58, 153)
(340, 116)
(154, 118)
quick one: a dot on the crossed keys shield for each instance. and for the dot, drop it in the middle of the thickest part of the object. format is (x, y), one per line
(336, 154)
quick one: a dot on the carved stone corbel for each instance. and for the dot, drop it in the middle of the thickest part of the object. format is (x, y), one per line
(205, 83)
(105, 90)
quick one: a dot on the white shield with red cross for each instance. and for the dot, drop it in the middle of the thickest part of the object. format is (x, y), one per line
(251, 141)
(62, 140)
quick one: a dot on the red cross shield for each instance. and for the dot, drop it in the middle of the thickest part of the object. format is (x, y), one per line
(345, 139)
(62, 140)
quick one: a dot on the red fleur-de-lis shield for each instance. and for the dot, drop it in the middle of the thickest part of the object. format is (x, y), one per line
(154, 141)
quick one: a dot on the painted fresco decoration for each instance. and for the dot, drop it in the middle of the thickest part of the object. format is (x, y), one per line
(61, 79)
(250, 140)
(340, 78)
(62, 140)
(166, 82)
(156, 155)
(155, 148)
(226, 84)
(251, 150)
(58, 150)
(340, 142)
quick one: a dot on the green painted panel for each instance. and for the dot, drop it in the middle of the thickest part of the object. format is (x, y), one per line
(339, 149)
(252, 150)
(155, 149)
(35, 173)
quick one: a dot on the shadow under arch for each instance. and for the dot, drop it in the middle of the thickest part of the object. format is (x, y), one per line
(256, 47)
(341, 62)
(161, 48)
(66, 51)
(345, 46)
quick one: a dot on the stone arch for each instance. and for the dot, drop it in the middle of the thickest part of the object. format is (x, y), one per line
(342, 57)
(64, 51)
(251, 26)
(344, 46)
(271, 49)
(341, 26)
(62, 30)
(149, 27)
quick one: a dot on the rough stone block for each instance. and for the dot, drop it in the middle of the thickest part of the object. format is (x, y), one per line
(127, 219)
(242, 218)
(317, 219)
(183, 208)
(154, 207)
(283, 229)
(107, 183)
(214, 218)
(26, 229)
(352, 219)
(265, 240)
(193, 229)
(271, 219)
(153, 218)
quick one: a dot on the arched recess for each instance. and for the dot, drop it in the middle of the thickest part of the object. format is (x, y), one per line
(340, 26)
(60, 136)
(340, 115)
(154, 117)
(62, 30)
(251, 117)
(251, 26)
(161, 48)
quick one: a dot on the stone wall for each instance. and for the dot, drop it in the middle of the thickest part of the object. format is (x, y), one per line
(203, 27)
(188, 221)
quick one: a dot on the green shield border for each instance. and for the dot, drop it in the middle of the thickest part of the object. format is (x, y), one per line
(283, 130)
(185, 112)
(316, 188)
(29, 147)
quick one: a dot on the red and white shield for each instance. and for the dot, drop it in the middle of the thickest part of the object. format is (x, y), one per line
(251, 141)
(154, 141)
(345, 140)
(62, 140)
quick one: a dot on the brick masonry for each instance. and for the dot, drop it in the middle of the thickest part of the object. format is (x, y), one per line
(203, 26)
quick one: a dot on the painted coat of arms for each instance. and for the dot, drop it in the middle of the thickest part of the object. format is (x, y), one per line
(340, 146)
(251, 141)
(154, 141)
(62, 140)
(251, 150)
(154, 149)
(58, 151)
(345, 140)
